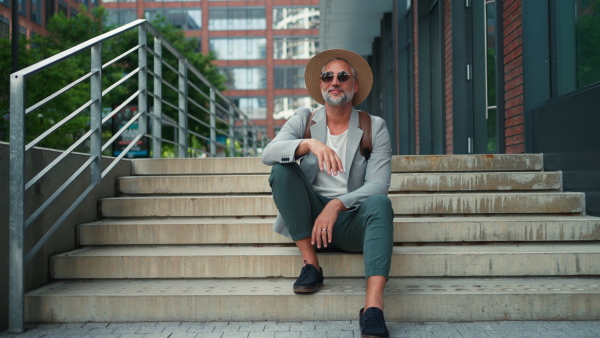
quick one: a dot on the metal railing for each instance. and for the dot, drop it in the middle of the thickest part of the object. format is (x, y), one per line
(224, 119)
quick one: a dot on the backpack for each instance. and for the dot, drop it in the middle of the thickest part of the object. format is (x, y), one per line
(364, 124)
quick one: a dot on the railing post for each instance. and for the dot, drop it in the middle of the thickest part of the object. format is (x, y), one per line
(157, 124)
(143, 79)
(255, 141)
(213, 124)
(16, 317)
(183, 111)
(96, 115)
(231, 132)
(245, 135)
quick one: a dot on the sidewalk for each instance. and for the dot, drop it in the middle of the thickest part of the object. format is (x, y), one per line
(325, 329)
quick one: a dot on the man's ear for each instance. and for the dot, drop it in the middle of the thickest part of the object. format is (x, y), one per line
(355, 86)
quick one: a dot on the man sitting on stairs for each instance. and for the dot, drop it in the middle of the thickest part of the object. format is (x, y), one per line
(337, 196)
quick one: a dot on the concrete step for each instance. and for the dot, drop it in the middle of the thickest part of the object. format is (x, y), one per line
(400, 163)
(285, 261)
(407, 299)
(245, 184)
(252, 230)
(403, 204)
(489, 162)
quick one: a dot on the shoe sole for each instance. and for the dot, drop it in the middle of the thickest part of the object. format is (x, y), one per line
(307, 289)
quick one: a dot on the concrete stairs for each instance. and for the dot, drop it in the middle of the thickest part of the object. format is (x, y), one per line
(478, 237)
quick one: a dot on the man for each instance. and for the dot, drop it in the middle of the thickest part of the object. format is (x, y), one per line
(336, 197)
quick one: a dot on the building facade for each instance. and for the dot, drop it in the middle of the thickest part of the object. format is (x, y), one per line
(492, 77)
(34, 14)
(261, 47)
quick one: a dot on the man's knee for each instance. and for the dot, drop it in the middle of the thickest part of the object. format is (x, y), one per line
(282, 172)
(378, 204)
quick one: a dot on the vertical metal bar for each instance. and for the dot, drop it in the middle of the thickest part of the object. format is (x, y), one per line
(245, 128)
(231, 132)
(157, 122)
(213, 124)
(143, 81)
(96, 115)
(183, 111)
(255, 140)
(17, 204)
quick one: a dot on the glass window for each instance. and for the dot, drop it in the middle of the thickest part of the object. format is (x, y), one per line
(577, 45)
(286, 105)
(95, 2)
(236, 18)
(121, 17)
(107, 1)
(184, 18)
(254, 107)
(4, 27)
(295, 47)
(23, 7)
(63, 8)
(245, 78)
(5, 2)
(22, 31)
(73, 13)
(239, 48)
(289, 77)
(295, 18)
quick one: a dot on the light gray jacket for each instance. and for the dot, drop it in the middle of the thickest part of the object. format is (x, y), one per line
(365, 178)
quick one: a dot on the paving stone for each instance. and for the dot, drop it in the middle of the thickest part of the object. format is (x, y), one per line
(95, 325)
(339, 325)
(261, 335)
(151, 329)
(105, 331)
(235, 334)
(314, 334)
(183, 335)
(472, 333)
(340, 334)
(288, 334)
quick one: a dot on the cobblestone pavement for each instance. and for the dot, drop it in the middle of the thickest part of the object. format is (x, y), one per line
(337, 329)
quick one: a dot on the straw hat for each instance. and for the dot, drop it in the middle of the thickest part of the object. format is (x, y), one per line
(312, 73)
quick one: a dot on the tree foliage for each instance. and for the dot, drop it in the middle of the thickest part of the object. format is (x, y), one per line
(65, 33)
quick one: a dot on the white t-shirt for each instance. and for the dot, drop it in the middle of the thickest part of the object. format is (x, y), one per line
(333, 186)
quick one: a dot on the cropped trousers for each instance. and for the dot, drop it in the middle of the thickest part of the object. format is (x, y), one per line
(367, 229)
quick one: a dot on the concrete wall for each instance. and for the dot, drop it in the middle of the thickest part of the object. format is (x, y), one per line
(64, 239)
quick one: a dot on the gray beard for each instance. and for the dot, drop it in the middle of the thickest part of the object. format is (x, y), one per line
(337, 101)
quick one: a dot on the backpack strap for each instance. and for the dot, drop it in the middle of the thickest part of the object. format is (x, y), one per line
(364, 124)
(366, 141)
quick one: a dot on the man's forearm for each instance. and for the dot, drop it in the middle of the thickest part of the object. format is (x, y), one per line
(303, 148)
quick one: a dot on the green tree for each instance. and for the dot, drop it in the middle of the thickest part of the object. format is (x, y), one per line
(588, 46)
(65, 33)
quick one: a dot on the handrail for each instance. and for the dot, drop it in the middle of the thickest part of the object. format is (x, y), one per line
(150, 103)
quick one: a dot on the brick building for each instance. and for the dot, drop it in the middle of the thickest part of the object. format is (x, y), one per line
(34, 14)
(262, 47)
(485, 76)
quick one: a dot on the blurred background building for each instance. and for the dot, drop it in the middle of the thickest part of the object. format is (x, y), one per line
(261, 46)
(34, 14)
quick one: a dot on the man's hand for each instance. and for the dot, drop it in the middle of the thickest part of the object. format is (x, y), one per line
(323, 229)
(328, 159)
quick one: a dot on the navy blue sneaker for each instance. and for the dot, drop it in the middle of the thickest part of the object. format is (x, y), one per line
(310, 279)
(372, 324)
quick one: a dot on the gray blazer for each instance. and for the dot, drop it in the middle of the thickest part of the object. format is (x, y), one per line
(365, 178)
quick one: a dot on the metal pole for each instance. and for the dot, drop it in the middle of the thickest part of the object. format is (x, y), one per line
(157, 126)
(255, 140)
(17, 205)
(143, 80)
(15, 35)
(96, 115)
(231, 132)
(183, 111)
(245, 136)
(213, 124)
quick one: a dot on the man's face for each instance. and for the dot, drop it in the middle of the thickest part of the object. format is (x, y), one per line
(336, 93)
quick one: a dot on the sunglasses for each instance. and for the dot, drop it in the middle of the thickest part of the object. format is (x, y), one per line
(342, 76)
